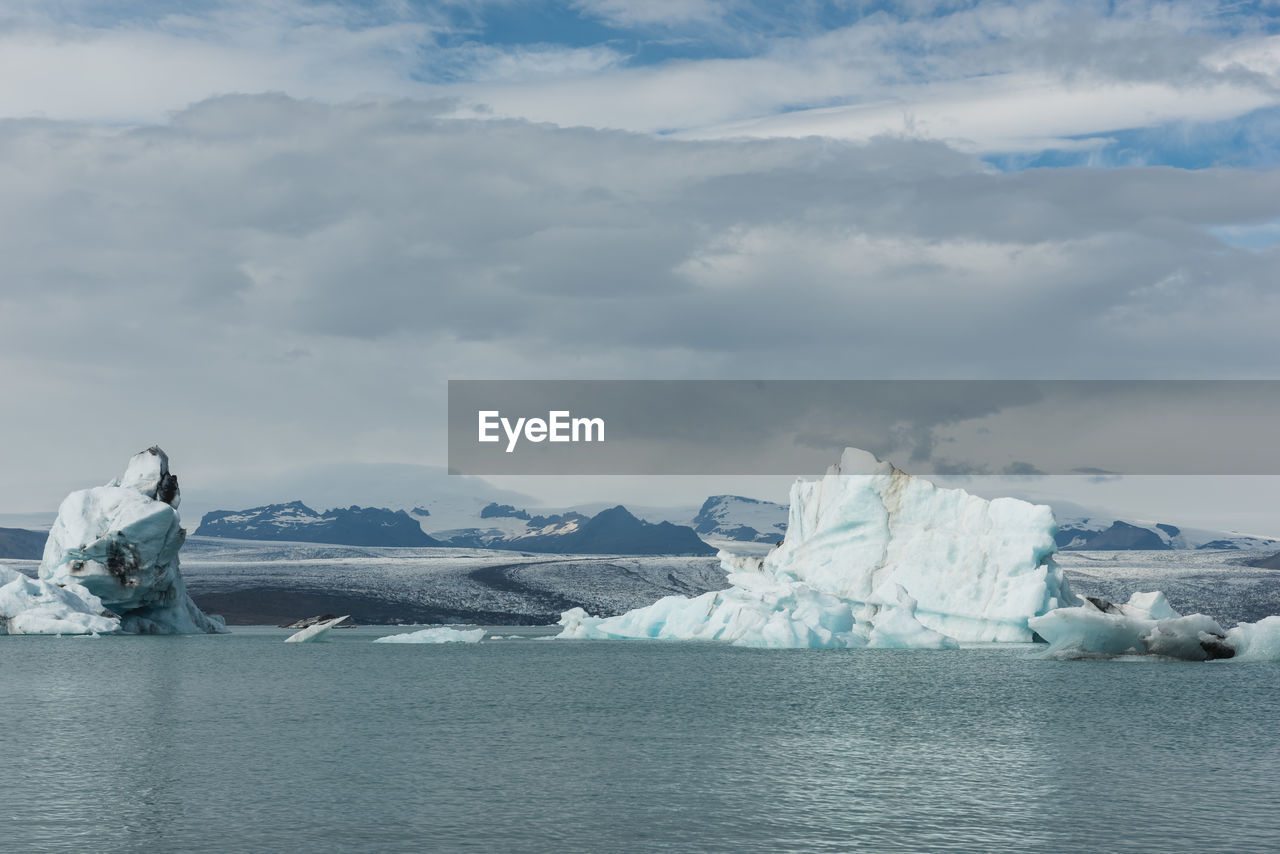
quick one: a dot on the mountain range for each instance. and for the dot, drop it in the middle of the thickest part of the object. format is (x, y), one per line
(612, 531)
(296, 522)
(737, 523)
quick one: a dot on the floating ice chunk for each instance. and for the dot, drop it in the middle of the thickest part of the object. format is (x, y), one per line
(32, 607)
(858, 541)
(759, 615)
(1258, 641)
(436, 634)
(1145, 625)
(121, 543)
(1195, 637)
(315, 631)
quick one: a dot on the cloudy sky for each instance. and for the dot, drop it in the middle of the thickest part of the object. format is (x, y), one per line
(266, 234)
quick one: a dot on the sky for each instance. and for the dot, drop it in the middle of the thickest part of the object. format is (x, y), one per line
(264, 235)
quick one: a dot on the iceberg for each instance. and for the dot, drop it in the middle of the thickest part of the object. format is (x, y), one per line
(315, 631)
(29, 606)
(873, 557)
(435, 634)
(115, 549)
(1147, 625)
(1258, 641)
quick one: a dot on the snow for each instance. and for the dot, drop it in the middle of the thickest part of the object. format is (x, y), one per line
(436, 634)
(120, 543)
(315, 632)
(873, 557)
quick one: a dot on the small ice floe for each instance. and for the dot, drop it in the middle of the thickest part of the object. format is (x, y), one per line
(436, 634)
(315, 632)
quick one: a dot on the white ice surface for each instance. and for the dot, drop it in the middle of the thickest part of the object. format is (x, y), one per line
(30, 606)
(873, 556)
(435, 634)
(1258, 641)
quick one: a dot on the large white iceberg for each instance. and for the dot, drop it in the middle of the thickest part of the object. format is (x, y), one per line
(1148, 625)
(873, 557)
(111, 563)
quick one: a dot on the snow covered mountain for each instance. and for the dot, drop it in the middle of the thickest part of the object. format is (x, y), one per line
(296, 522)
(1100, 533)
(612, 531)
(500, 526)
(734, 518)
(733, 522)
(496, 526)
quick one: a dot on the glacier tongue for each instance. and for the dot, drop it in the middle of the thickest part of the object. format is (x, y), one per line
(120, 543)
(872, 557)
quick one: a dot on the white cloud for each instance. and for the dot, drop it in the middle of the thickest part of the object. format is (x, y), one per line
(1009, 113)
(264, 281)
(992, 77)
(138, 72)
(269, 280)
(633, 12)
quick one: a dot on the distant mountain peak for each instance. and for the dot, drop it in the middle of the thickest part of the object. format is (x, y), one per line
(295, 521)
(736, 518)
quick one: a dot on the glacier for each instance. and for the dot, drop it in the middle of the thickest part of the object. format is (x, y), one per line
(873, 557)
(110, 564)
(435, 634)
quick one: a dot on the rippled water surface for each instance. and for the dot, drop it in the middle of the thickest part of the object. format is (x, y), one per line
(244, 743)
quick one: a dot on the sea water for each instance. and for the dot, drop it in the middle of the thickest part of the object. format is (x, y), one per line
(245, 743)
